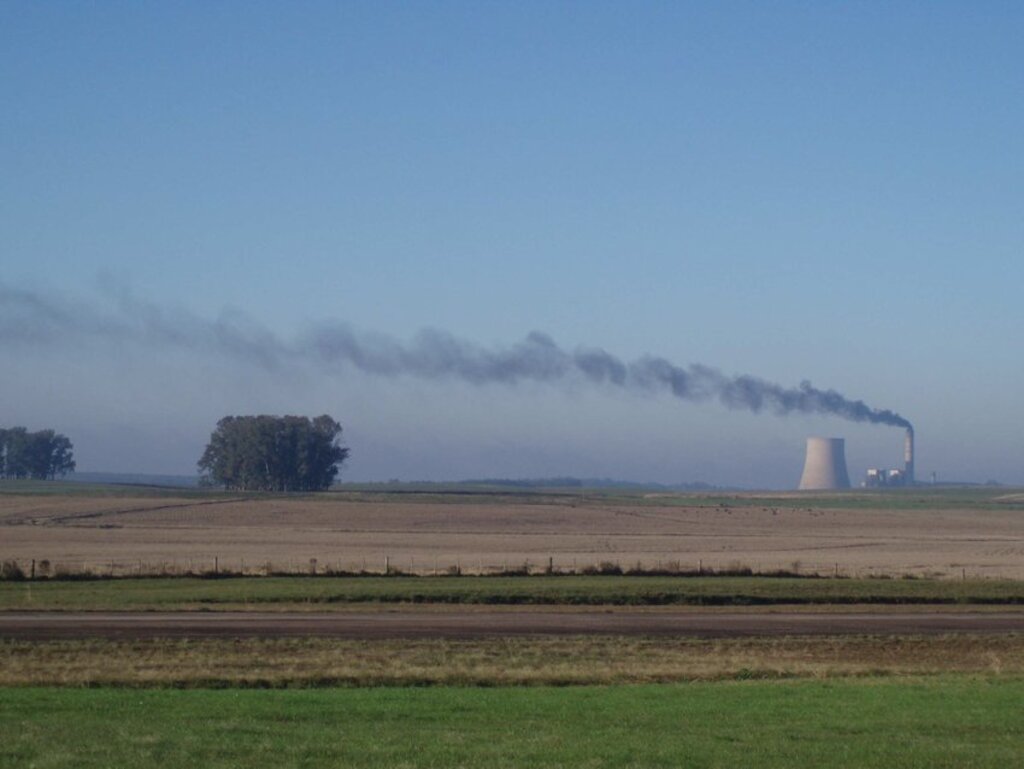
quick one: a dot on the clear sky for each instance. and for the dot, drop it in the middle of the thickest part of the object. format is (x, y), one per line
(830, 192)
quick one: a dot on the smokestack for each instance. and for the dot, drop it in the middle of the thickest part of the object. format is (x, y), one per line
(908, 456)
(825, 465)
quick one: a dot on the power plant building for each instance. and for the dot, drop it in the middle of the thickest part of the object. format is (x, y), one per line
(825, 466)
(877, 477)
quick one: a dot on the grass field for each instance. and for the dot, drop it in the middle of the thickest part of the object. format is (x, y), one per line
(922, 497)
(519, 661)
(10, 487)
(324, 592)
(947, 722)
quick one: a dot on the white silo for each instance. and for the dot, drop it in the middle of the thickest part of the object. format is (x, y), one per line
(825, 465)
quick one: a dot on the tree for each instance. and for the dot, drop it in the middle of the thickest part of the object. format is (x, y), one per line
(270, 453)
(16, 453)
(50, 455)
(40, 455)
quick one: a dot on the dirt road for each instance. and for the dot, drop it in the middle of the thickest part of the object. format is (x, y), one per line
(458, 624)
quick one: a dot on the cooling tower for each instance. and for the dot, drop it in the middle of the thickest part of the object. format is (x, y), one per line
(825, 465)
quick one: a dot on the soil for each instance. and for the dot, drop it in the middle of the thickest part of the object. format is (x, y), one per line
(122, 535)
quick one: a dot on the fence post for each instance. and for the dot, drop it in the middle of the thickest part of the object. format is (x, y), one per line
(33, 574)
(700, 567)
(387, 565)
(216, 564)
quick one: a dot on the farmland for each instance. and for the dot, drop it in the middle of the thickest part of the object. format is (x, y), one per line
(952, 533)
(524, 697)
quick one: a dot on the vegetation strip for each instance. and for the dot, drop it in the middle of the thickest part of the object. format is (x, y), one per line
(947, 722)
(318, 662)
(285, 592)
(892, 500)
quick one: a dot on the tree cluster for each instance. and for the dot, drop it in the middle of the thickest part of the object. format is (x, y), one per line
(43, 454)
(270, 453)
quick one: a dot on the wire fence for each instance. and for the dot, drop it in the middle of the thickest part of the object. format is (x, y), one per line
(386, 565)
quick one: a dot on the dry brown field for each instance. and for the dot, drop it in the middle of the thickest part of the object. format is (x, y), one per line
(860, 536)
(517, 661)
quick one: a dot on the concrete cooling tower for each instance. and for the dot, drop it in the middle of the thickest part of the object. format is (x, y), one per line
(825, 465)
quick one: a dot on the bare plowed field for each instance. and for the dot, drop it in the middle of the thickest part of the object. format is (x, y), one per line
(485, 533)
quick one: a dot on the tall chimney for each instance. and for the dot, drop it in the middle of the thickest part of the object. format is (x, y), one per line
(825, 465)
(908, 456)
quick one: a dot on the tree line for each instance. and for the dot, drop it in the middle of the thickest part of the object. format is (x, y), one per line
(271, 453)
(41, 455)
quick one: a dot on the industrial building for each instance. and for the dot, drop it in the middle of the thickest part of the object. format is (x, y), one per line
(880, 477)
(825, 466)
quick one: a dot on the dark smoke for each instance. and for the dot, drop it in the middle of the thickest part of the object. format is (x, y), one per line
(30, 319)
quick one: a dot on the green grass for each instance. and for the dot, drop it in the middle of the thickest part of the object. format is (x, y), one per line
(978, 498)
(35, 488)
(919, 498)
(946, 722)
(322, 592)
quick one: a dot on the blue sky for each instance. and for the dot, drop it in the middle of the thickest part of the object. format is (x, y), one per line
(797, 191)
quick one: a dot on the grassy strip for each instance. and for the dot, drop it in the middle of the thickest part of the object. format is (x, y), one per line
(948, 722)
(185, 593)
(77, 489)
(917, 498)
(318, 662)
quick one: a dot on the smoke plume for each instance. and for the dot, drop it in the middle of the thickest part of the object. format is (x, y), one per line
(31, 319)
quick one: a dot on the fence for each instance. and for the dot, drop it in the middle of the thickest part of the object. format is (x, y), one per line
(385, 565)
